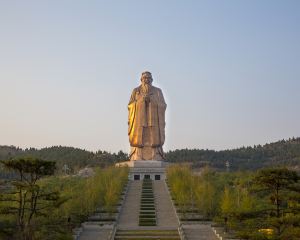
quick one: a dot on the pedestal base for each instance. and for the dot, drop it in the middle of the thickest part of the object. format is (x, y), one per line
(145, 169)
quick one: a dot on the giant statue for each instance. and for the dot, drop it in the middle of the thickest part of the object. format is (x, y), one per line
(146, 121)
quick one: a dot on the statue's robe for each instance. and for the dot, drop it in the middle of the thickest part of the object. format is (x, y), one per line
(146, 124)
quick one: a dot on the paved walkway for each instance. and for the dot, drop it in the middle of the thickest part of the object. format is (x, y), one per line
(129, 216)
(166, 215)
(199, 232)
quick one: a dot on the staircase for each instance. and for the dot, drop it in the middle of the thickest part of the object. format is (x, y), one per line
(166, 226)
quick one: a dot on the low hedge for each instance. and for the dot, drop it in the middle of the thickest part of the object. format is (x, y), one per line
(147, 200)
(143, 208)
(147, 223)
(152, 213)
(147, 217)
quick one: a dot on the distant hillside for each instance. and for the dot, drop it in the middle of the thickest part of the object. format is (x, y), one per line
(284, 152)
(73, 158)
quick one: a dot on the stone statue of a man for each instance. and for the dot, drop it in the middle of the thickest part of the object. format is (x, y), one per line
(146, 121)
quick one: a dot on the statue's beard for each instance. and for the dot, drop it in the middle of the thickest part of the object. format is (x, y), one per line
(146, 88)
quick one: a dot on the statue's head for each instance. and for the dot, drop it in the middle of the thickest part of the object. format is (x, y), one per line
(146, 78)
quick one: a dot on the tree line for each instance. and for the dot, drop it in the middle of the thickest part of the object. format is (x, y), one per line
(70, 157)
(280, 153)
(284, 152)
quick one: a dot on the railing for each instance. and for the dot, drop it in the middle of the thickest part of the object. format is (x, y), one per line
(181, 232)
(113, 232)
(216, 233)
(180, 229)
(122, 202)
(76, 233)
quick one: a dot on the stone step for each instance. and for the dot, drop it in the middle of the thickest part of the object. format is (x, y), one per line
(144, 237)
(147, 234)
(94, 232)
(147, 238)
(199, 232)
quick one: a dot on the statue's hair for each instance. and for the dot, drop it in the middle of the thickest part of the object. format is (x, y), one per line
(146, 73)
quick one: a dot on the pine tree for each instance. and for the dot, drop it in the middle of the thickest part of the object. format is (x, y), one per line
(25, 198)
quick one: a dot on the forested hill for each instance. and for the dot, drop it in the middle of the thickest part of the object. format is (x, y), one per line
(73, 158)
(284, 152)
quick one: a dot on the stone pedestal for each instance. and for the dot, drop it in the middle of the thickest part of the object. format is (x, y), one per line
(145, 169)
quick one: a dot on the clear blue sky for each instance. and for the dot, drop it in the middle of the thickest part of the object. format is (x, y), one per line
(230, 71)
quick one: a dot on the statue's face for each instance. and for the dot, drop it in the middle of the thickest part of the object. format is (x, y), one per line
(147, 79)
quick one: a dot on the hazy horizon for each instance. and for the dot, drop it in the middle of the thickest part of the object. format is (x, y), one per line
(230, 71)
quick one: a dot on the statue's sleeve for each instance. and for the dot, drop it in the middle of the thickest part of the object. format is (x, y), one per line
(132, 97)
(161, 99)
(161, 116)
(131, 112)
(136, 107)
